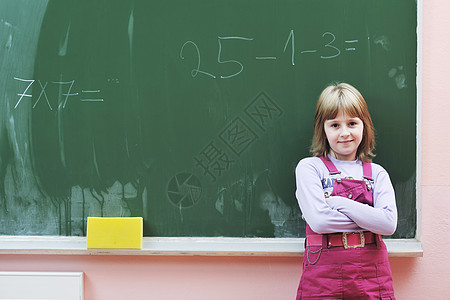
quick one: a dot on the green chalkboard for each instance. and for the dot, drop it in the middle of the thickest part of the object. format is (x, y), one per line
(191, 114)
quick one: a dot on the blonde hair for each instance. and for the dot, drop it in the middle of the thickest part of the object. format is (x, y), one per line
(334, 98)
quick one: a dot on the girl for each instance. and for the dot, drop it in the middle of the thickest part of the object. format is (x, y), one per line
(347, 203)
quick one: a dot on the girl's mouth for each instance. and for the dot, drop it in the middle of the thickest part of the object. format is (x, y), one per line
(346, 142)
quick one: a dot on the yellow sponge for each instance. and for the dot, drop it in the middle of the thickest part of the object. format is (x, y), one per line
(114, 233)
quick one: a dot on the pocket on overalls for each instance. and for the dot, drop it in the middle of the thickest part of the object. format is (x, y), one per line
(353, 189)
(321, 281)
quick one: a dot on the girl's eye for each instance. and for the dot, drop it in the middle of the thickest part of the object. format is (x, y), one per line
(334, 125)
(352, 123)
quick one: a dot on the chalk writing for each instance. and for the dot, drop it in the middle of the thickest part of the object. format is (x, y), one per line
(291, 38)
(65, 90)
(266, 57)
(91, 99)
(194, 72)
(351, 42)
(330, 45)
(219, 60)
(31, 81)
(328, 50)
(43, 93)
(68, 92)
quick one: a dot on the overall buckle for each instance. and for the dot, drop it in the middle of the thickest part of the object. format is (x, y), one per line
(345, 242)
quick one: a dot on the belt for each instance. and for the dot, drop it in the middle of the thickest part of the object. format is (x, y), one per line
(357, 239)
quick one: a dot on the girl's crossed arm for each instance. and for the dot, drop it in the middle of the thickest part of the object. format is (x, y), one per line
(380, 219)
(315, 209)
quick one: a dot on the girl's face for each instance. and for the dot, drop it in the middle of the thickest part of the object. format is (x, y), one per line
(344, 134)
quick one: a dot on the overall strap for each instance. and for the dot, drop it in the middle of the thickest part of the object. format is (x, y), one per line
(330, 166)
(367, 170)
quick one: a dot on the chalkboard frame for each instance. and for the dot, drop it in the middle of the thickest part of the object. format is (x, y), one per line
(219, 246)
(184, 246)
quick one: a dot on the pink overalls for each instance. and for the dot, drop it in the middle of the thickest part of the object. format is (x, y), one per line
(346, 265)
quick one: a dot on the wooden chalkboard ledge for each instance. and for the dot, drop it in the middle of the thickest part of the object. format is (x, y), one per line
(217, 246)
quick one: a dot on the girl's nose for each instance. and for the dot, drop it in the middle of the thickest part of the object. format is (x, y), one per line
(345, 131)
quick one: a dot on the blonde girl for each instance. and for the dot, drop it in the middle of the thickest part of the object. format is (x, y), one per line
(347, 201)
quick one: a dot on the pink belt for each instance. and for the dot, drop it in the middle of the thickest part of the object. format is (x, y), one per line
(347, 240)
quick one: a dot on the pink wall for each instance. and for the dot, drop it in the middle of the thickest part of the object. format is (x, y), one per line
(161, 277)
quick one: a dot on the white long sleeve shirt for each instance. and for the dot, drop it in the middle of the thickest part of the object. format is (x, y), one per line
(341, 214)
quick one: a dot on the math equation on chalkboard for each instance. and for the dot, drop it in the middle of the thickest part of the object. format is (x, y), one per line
(328, 50)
